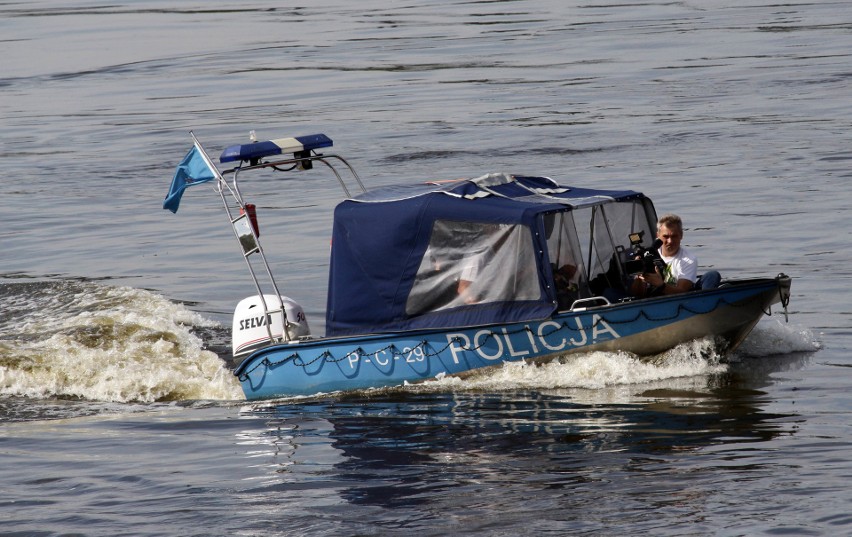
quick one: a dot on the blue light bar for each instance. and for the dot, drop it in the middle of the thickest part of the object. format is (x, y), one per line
(257, 150)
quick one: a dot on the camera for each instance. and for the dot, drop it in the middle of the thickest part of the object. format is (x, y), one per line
(641, 259)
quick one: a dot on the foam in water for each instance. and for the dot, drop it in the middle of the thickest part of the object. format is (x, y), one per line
(86, 341)
(599, 370)
(771, 337)
(595, 370)
(82, 340)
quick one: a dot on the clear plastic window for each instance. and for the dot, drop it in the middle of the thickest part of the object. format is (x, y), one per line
(566, 260)
(606, 242)
(472, 263)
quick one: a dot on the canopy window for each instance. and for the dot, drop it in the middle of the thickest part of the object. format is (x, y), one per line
(566, 258)
(606, 239)
(474, 263)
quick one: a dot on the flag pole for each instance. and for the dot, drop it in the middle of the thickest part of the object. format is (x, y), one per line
(206, 157)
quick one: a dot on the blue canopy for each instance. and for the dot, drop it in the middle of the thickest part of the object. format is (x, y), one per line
(399, 253)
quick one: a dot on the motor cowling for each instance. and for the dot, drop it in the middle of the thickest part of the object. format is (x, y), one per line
(256, 326)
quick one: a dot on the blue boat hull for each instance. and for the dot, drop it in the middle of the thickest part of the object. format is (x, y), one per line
(643, 327)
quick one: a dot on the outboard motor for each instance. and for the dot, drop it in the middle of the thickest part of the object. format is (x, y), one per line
(252, 326)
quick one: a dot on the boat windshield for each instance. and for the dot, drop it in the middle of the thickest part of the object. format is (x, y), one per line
(474, 263)
(605, 239)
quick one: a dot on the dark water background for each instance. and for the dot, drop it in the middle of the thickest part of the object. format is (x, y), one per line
(118, 415)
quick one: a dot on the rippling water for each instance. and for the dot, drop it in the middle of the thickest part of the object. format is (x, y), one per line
(118, 412)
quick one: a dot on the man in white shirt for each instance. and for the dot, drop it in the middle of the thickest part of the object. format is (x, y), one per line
(681, 272)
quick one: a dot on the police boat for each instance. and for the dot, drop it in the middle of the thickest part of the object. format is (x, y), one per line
(447, 278)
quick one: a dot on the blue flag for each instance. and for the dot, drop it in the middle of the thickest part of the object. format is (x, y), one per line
(192, 170)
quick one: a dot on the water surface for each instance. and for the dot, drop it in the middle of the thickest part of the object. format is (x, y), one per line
(118, 412)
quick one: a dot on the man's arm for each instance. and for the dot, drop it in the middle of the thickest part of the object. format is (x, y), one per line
(655, 285)
(682, 286)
